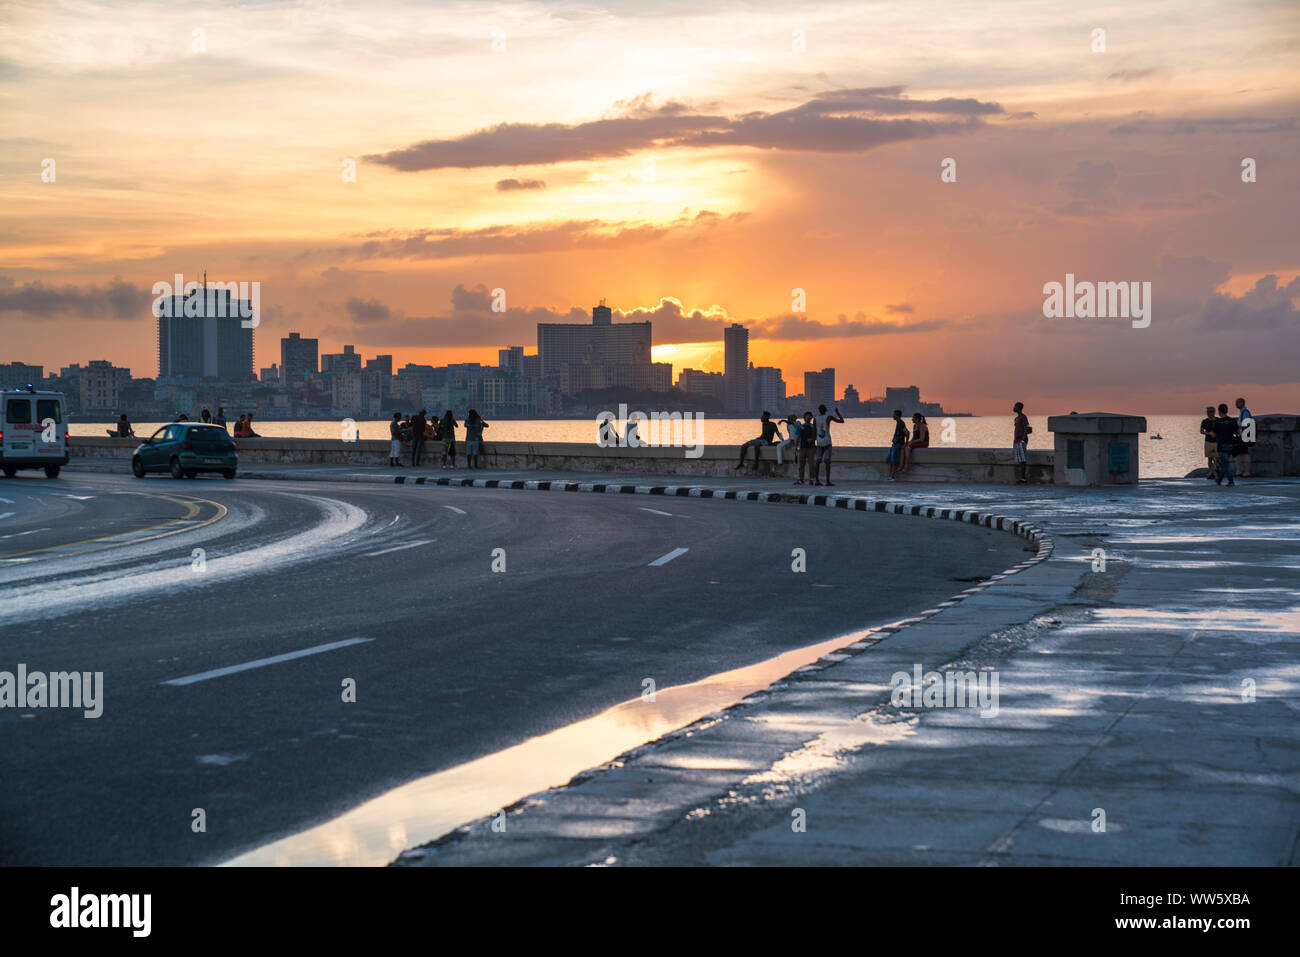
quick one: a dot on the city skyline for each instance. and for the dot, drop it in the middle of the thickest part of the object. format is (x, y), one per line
(206, 352)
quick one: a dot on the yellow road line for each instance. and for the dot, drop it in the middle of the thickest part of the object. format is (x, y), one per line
(191, 510)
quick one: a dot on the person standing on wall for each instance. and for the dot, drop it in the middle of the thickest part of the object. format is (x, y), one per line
(1019, 443)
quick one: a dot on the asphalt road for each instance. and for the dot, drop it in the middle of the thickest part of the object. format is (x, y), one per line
(100, 573)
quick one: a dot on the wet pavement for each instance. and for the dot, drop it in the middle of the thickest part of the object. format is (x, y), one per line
(1146, 714)
(1146, 708)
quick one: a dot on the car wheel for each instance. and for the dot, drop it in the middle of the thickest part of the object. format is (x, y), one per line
(10, 472)
(137, 467)
(228, 473)
(51, 471)
(176, 470)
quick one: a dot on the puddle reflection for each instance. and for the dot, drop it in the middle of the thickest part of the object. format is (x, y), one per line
(374, 833)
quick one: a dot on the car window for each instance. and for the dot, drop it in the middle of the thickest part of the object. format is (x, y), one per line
(159, 436)
(210, 433)
(49, 409)
(175, 433)
(18, 411)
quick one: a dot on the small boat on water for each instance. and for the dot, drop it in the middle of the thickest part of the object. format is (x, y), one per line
(1156, 437)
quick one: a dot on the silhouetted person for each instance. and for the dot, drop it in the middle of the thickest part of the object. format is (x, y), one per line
(824, 445)
(1211, 449)
(769, 437)
(418, 422)
(1019, 443)
(1225, 435)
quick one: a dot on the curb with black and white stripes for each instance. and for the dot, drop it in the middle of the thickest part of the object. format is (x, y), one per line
(865, 639)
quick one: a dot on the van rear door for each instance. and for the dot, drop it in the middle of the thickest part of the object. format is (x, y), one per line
(17, 426)
(51, 437)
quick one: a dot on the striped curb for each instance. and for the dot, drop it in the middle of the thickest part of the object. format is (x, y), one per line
(862, 640)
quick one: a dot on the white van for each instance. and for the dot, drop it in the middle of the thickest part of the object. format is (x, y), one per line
(33, 433)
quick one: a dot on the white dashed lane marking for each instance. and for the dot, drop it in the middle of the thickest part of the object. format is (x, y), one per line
(263, 662)
(655, 510)
(665, 559)
(458, 511)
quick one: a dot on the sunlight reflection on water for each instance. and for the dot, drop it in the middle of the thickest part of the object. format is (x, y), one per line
(374, 833)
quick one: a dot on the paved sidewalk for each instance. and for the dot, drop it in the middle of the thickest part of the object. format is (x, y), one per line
(1126, 732)
(1147, 712)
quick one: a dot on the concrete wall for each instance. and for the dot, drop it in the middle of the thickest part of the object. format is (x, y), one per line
(1277, 446)
(939, 464)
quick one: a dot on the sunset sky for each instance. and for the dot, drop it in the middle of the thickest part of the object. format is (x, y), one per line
(690, 167)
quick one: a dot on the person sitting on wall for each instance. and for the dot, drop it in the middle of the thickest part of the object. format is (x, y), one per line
(920, 439)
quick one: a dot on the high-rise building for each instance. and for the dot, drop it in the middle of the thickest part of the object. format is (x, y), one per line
(819, 388)
(697, 382)
(15, 375)
(349, 360)
(381, 364)
(561, 343)
(908, 399)
(511, 359)
(641, 376)
(427, 376)
(357, 394)
(270, 374)
(298, 357)
(766, 389)
(202, 335)
(100, 383)
(736, 367)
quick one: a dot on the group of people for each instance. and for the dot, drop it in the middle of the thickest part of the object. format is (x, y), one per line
(418, 430)
(808, 442)
(243, 427)
(1228, 440)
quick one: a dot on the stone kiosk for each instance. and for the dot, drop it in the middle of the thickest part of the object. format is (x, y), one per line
(1096, 448)
(1277, 449)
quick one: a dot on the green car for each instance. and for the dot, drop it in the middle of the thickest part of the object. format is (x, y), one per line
(184, 450)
